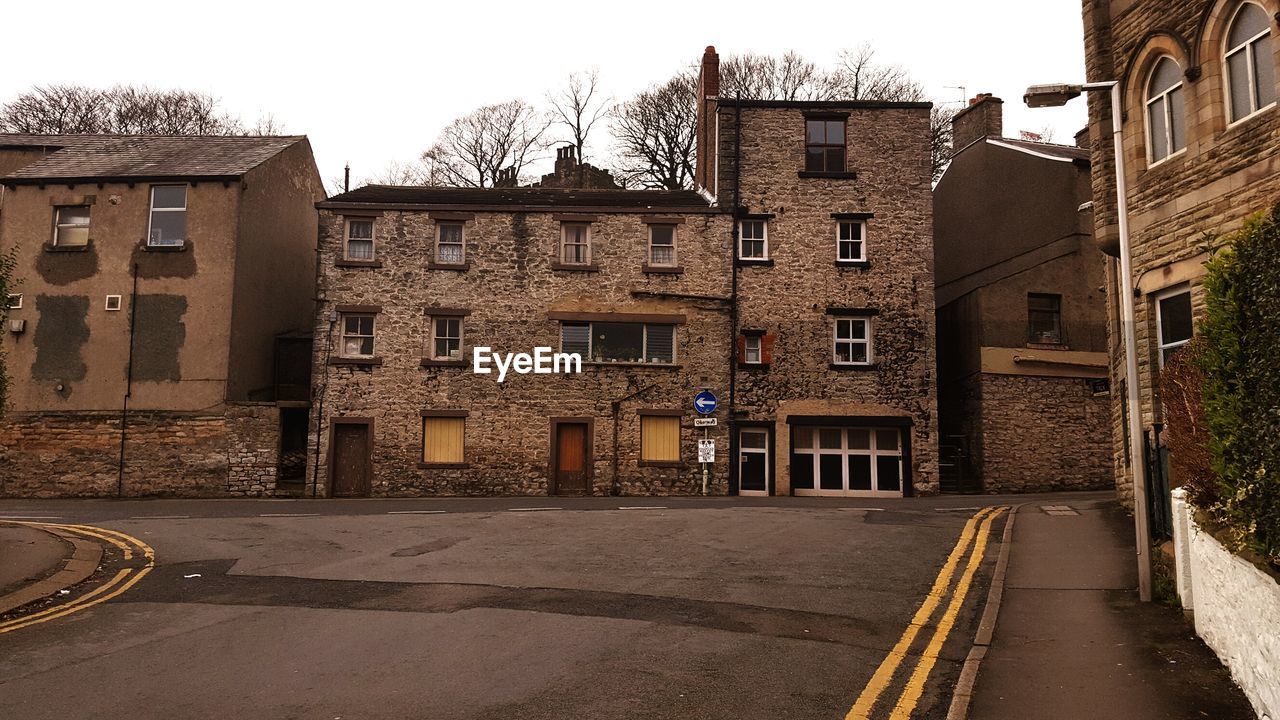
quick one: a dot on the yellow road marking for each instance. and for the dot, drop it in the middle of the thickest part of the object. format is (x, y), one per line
(861, 709)
(112, 588)
(915, 685)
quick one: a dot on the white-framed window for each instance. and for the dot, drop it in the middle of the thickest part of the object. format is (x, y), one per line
(851, 245)
(112, 303)
(1166, 112)
(1174, 324)
(575, 243)
(864, 461)
(606, 342)
(14, 301)
(753, 240)
(662, 245)
(451, 248)
(852, 341)
(446, 338)
(1249, 63)
(357, 335)
(71, 226)
(752, 351)
(168, 225)
(358, 243)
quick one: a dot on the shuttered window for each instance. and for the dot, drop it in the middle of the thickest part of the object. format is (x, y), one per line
(659, 438)
(619, 342)
(442, 439)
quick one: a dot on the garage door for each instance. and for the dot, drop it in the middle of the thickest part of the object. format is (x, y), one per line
(846, 461)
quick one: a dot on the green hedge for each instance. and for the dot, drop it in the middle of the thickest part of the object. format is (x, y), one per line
(1240, 362)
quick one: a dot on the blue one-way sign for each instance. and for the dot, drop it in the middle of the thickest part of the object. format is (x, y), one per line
(705, 402)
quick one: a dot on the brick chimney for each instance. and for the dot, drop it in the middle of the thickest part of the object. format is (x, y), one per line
(983, 118)
(566, 160)
(708, 100)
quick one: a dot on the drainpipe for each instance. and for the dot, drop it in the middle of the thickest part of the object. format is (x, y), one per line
(733, 292)
(128, 382)
(324, 384)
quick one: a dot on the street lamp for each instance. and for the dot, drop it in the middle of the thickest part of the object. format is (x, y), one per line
(1039, 96)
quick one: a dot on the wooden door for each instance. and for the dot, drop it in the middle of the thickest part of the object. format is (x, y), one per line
(572, 459)
(350, 462)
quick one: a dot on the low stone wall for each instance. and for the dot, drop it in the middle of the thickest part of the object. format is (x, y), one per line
(1236, 607)
(47, 455)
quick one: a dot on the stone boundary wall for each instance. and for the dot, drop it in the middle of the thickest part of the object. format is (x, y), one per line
(1236, 607)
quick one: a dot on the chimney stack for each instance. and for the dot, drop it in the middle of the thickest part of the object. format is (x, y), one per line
(708, 101)
(566, 160)
(506, 178)
(983, 118)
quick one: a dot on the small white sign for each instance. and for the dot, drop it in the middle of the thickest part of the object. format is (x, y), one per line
(706, 451)
(704, 422)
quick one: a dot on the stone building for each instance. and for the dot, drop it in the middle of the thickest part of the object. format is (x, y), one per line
(795, 282)
(1022, 347)
(158, 275)
(1202, 153)
(569, 173)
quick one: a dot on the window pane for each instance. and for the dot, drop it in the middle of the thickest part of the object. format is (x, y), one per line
(1177, 120)
(575, 338)
(72, 236)
(661, 343)
(1238, 70)
(169, 196)
(78, 215)
(858, 352)
(1264, 69)
(859, 472)
(442, 439)
(362, 229)
(1166, 75)
(1250, 21)
(617, 341)
(829, 438)
(753, 249)
(803, 438)
(888, 472)
(168, 228)
(859, 439)
(859, 329)
(802, 472)
(1175, 318)
(360, 249)
(844, 329)
(659, 438)
(1156, 117)
(886, 440)
(813, 159)
(850, 250)
(835, 132)
(662, 234)
(835, 159)
(450, 232)
(844, 352)
(449, 253)
(351, 325)
(831, 472)
(755, 439)
(662, 255)
(815, 132)
(753, 229)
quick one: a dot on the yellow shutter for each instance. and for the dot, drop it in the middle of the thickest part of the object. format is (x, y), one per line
(442, 439)
(659, 437)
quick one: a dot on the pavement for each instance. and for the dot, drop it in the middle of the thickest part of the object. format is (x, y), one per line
(1073, 641)
(28, 555)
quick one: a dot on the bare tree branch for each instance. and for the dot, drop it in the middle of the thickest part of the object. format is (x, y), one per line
(579, 106)
(654, 135)
(123, 109)
(472, 149)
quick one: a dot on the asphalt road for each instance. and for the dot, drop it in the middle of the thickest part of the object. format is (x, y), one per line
(442, 609)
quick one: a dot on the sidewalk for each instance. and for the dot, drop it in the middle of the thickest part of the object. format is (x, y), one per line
(1072, 640)
(28, 555)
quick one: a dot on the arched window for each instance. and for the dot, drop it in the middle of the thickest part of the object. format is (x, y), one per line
(1251, 80)
(1166, 111)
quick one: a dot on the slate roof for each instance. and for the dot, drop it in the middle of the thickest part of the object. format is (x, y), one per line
(523, 197)
(1067, 152)
(98, 157)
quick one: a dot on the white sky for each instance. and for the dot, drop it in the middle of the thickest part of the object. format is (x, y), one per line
(373, 82)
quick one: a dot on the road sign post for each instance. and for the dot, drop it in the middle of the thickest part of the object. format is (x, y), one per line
(705, 403)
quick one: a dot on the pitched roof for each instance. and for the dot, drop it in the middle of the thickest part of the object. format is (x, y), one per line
(97, 157)
(522, 197)
(1062, 152)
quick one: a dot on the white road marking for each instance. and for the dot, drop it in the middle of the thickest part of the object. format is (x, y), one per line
(536, 509)
(416, 512)
(864, 509)
(159, 517)
(642, 507)
(289, 515)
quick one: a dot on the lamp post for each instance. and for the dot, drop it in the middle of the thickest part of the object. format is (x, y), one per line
(1038, 96)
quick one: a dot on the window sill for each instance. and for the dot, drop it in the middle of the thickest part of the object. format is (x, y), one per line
(853, 264)
(460, 267)
(51, 248)
(1031, 345)
(591, 267)
(443, 466)
(748, 262)
(357, 263)
(753, 366)
(660, 463)
(662, 269)
(1234, 124)
(818, 174)
(606, 364)
(854, 368)
(429, 362)
(367, 362)
(164, 248)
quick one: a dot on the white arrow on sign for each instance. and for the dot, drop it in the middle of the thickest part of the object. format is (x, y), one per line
(703, 403)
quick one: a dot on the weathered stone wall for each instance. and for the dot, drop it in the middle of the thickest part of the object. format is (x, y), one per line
(509, 288)
(1043, 433)
(165, 454)
(789, 298)
(1228, 171)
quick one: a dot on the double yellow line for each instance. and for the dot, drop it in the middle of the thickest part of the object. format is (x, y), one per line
(976, 531)
(117, 585)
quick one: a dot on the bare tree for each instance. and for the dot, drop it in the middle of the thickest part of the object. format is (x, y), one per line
(859, 77)
(940, 138)
(654, 135)
(579, 106)
(473, 149)
(123, 109)
(767, 77)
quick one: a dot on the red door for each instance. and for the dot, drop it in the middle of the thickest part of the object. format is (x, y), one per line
(572, 464)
